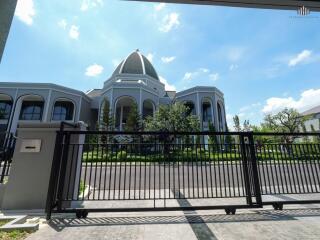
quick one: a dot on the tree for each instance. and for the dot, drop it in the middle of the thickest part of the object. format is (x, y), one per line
(229, 140)
(213, 141)
(107, 121)
(134, 119)
(246, 126)
(236, 122)
(172, 118)
(286, 121)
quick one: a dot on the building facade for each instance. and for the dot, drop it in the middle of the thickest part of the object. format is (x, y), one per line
(313, 119)
(134, 81)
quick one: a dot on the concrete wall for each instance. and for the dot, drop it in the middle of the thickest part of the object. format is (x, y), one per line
(28, 182)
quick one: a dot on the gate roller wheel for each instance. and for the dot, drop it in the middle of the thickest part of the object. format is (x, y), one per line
(230, 211)
(277, 206)
(79, 214)
(84, 213)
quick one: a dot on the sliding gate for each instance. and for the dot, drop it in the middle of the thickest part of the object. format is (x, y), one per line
(148, 171)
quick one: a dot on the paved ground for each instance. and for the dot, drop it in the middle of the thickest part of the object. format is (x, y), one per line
(294, 222)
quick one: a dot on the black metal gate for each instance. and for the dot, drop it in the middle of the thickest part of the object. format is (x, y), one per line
(96, 171)
(7, 145)
(151, 166)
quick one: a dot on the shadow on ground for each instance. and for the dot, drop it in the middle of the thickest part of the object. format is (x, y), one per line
(59, 223)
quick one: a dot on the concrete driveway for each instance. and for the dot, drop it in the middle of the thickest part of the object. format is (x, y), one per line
(294, 222)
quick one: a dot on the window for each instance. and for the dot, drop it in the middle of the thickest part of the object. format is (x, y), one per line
(206, 112)
(5, 109)
(31, 110)
(63, 111)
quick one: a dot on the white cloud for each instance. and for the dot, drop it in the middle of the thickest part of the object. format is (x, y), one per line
(301, 57)
(62, 23)
(25, 11)
(168, 59)
(188, 76)
(200, 71)
(94, 70)
(150, 57)
(308, 99)
(214, 76)
(168, 86)
(233, 67)
(86, 4)
(159, 7)
(74, 32)
(169, 22)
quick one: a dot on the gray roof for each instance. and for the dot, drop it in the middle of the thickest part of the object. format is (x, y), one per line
(136, 63)
(311, 111)
(94, 93)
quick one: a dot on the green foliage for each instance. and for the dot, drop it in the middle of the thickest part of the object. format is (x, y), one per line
(172, 118)
(14, 234)
(134, 119)
(107, 121)
(236, 122)
(213, 141)
(288, 120)
(122, 155)
(229, 140)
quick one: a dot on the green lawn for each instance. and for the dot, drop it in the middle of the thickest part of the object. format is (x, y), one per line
(12, 235)
(192, 156)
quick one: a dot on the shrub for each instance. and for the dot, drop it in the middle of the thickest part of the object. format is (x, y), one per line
(122, 155)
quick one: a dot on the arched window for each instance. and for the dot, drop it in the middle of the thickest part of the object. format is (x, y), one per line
(5, 109)
(31, 110)
(206, 111)
(220, 117)
(63, 111)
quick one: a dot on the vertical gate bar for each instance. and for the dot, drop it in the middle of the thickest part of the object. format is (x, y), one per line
(55, 167)
(292, 172)
(277, 168)
(304, 186)
(63, 169)
(314, 158)
(105, 165)
(245, 170)
(254, 170)
(309, 166)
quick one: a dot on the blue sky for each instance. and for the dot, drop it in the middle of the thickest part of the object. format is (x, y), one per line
(263, 60)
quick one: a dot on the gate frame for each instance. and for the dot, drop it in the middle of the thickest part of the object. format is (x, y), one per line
(60, 159)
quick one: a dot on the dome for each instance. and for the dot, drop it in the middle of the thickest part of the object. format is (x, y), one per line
(136, 63)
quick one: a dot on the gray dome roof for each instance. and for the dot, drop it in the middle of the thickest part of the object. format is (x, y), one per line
(136, 63)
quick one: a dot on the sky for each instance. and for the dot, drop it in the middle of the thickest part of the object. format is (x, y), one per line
(262, 60)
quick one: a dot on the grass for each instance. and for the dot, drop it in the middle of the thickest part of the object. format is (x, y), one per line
(192, 156)
(12, 235)
(82, 187)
